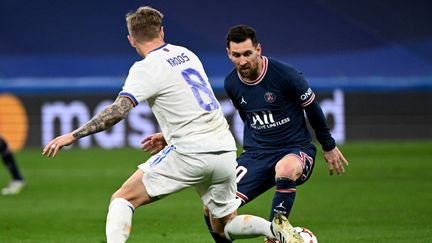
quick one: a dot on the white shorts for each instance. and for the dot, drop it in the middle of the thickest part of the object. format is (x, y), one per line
(212, 174)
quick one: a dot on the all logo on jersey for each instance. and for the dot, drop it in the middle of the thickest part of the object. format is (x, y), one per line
(269, 97)
(265, 120)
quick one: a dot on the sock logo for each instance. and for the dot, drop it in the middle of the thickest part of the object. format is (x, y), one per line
(281, 205)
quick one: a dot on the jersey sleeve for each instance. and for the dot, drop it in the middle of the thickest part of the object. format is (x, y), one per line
(305, 97)
(139, 84)
(318, 122)
(299, 88)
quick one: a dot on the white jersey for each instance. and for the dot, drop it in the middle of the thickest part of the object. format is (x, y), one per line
(172, 80)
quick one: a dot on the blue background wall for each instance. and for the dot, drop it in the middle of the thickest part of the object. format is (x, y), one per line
(353, 45)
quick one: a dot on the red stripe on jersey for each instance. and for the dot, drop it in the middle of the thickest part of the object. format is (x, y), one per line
(310, 100)
(260, 78)
(243, 197)
(290, 190)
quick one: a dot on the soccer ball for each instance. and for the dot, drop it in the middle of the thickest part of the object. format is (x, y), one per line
(307, 235)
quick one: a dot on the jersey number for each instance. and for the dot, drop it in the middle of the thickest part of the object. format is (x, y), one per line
(241, 171)
(199, 87)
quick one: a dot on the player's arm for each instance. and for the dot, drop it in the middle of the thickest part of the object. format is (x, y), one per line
(332, 154)
(318, 122)
(306, 99)
(105, 119)
(298, 87)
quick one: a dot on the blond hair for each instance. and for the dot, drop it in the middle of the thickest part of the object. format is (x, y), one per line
(144, 24)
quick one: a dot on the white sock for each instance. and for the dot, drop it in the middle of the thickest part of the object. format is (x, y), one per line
(119, 220)
(247, 226)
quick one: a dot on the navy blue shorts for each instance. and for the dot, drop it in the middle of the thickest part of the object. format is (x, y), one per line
(256, 170)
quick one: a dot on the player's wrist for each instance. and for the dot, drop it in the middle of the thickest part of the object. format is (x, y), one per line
(328, 147)
(76, 135)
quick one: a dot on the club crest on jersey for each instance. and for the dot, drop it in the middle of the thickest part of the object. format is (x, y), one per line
(269, 97)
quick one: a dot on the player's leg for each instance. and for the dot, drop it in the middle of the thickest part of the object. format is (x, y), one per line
(17, 183)
(252, 180)
(235, 226)
(159, 176)
(220, 199)
(216, 237)
(291, 170)
(288, 170)
(125, 200)
(249, 226)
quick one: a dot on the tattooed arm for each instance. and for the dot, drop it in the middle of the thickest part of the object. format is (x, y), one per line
(105, 119)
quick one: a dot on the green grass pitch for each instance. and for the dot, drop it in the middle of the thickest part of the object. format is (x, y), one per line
(385, 196)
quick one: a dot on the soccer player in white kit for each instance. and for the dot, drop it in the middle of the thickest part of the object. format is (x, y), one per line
(200, 151)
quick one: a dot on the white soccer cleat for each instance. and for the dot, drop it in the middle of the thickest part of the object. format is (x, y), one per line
(283, 230)
(14, 187)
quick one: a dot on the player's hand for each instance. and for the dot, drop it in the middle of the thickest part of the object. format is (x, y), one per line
(154, 143)
(57, 143)
(335, 161)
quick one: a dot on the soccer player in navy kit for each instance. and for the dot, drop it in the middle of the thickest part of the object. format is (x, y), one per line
(17, 183)
(271, 98)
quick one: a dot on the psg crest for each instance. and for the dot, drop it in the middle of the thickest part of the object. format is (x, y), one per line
(269, 97)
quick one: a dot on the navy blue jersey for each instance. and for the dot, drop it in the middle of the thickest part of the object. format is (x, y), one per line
(272, 108)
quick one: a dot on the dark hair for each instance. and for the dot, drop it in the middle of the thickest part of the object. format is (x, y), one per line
(240, 33)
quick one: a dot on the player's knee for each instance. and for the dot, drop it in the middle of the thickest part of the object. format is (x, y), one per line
(218, 229)
(137, 198)
(289, 169)
(219, 225)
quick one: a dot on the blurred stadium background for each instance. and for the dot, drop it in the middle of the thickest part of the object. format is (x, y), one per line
(369, 61)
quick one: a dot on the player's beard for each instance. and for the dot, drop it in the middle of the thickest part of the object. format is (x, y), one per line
(249, 72)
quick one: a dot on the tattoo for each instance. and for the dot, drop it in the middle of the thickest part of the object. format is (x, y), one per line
(107, 118)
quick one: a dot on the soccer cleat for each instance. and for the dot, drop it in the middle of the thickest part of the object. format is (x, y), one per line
(283, 230)
(270, 240)
(14, 187)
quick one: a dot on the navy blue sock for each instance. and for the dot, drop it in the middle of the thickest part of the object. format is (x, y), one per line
(215, 236)
(284, 196)
(9, 161)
